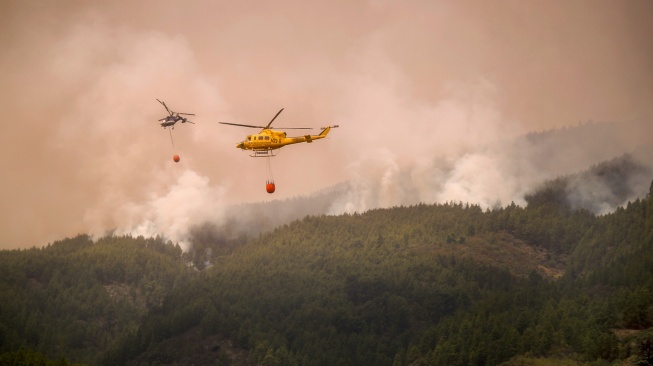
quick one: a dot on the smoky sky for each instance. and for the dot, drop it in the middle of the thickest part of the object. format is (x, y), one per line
(431, 98)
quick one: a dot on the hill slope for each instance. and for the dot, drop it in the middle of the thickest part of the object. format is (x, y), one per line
(75, 297)
(426, 284)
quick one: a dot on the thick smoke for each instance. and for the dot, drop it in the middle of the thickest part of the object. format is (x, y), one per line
(436, 102)
(189, 201)
(135, 192)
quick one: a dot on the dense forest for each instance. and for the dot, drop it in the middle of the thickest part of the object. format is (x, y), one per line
(437, 284)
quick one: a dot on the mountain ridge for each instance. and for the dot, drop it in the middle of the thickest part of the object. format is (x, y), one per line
(402, 285)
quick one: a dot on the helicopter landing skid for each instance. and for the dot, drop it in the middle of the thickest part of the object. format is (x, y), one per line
(263, 153)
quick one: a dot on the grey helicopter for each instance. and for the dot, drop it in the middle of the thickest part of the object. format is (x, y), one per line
(174, 117)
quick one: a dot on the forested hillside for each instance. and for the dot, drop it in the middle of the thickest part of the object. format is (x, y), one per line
(74, 297)
(443, 284)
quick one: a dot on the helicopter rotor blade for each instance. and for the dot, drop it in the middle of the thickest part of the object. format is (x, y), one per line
(166, 107)
(187, 114)
(263, 127)
(240, 125)
(275, 117)
(294, 128)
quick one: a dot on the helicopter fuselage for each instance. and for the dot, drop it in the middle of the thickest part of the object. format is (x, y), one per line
(266, 142)
(269, 139)
(171, 120)
(168, 122)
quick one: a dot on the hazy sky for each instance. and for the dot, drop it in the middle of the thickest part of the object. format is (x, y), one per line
(424, 92)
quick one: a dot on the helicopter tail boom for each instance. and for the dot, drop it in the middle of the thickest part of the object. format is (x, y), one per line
(326, 130)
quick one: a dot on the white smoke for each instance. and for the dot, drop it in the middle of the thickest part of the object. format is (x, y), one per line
(430, 111)
(459, 149)
(112, 137)
(452, 150)
(189, 201)
(393, 148)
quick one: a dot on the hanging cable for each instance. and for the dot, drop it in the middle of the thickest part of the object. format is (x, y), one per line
(270, 169)
(171, 140)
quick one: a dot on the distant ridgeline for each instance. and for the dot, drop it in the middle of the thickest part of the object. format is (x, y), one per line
(442, 284)
(600, 189)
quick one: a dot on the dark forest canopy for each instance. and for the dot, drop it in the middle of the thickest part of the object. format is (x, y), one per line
(441, 284)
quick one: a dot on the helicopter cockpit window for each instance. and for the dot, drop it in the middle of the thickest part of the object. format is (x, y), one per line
(249, 138)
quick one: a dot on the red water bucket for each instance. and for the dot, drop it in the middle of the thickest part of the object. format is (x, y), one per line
(269, 187)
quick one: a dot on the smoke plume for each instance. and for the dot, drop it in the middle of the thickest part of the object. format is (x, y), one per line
(436, 101)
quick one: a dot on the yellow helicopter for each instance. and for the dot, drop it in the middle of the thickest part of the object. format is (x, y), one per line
(264, 143)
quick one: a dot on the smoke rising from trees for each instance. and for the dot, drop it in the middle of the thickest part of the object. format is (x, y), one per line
(435, 101)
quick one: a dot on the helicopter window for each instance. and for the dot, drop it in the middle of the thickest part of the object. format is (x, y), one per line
(267, 137)
(260, 137)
